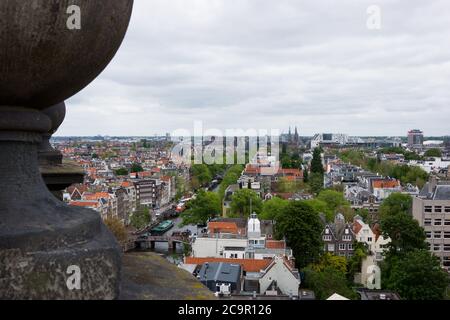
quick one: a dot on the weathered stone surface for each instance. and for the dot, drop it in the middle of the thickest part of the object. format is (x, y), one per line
(47, 154)
(148, 276)
(42, 275)
(42, 62)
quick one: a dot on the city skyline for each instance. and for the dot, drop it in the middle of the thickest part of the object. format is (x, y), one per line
(263, 65)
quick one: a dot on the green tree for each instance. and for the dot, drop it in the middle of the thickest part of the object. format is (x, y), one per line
(141, 218)
(121, 172)
(396, 203)
(136, 167)
(286, 186)
(243, 201)
(117, 228)
(301, 226)
(405, 233)
(327, 282)
(305, 175)
(273, 208)
(316, 182)
(435, 152)
(205, 206)
(335, 200)
(415, 276)
(201, 174)
(316, 163)
(330, 260)
(355, 261)
(231, 176)
(181, 186)
(321, 207)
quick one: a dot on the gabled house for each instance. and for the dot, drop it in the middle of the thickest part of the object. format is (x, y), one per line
(338, 237)
(371, 236)
(280, 277)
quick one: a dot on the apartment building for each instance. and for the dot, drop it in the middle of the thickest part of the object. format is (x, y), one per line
(432, 210)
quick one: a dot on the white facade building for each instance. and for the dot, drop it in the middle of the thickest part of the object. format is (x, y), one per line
(287, 279)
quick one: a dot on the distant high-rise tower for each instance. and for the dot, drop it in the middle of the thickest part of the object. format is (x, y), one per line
(296, 136)
(415, 138)
(290, 135)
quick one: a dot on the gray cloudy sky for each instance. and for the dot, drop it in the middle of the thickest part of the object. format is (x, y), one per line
(273, 63)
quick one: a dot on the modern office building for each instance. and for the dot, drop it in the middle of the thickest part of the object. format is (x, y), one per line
(415, 138)
(432, 209)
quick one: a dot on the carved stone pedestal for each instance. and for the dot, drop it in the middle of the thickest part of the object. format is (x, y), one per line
(43, 62)
(40, 237)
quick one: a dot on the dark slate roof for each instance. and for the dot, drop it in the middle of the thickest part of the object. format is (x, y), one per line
(442, 193)
(220, 272)
(424, 191)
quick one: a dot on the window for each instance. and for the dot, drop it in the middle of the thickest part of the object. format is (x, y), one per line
(327, 238)
(437, 222)
(446, 247)
(369, 239)
(437, 247)
(347, 238)
(437, 234)
(446, 262)
(447, 234)
(427, 222)
(428, 209)
(327, 231)
(447, 209)
(350, 246)
(428, 233)
(438, 209)
(331, 248)
(342, 246)
(447, 222)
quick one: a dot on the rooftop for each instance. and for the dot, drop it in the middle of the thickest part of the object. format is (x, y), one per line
(149, 276)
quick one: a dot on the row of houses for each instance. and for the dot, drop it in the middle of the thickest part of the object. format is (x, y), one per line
(121, 199)
(262, 175)
(261, 264)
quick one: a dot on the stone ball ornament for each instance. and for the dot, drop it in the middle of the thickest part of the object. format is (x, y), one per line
(49, 51)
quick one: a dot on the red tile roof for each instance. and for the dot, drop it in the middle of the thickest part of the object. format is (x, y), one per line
(356, 227)
(126, 184)
(225, 227)
(275, 244)
(96, 196)
(89, 204)
(249, 169)
(248, 265)
(386, 183)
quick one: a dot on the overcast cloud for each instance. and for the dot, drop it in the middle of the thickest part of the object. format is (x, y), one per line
(273, 64)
